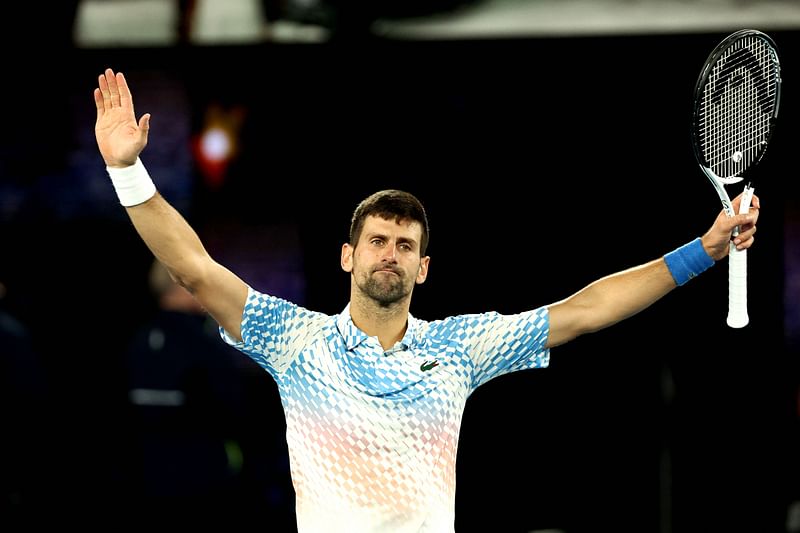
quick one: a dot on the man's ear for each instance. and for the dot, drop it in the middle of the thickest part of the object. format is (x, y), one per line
(347, 257)
(422, 275)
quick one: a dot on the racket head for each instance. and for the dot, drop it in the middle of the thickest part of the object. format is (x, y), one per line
(736, 103)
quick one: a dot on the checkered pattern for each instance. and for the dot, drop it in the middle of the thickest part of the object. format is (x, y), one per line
(372, 434)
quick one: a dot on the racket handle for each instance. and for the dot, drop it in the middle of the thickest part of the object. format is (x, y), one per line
(737, 274)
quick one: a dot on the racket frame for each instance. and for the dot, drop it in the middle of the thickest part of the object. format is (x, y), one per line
(737, 269)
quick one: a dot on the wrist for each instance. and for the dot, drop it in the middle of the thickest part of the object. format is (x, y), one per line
(132, 184)
(688, 261)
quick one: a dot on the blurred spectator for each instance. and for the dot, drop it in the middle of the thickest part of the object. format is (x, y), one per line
(200, 447)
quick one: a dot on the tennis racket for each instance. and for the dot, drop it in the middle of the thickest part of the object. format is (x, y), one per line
(735, 106)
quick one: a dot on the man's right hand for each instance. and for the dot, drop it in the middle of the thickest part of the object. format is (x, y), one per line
(119, 137)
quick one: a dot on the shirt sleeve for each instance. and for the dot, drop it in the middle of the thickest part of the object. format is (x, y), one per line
(501, 344)
(274, 330)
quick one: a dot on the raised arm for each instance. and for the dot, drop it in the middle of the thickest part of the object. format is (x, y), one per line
(623, 294)
(121, 139)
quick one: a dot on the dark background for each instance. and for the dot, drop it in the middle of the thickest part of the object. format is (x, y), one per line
(543, 163)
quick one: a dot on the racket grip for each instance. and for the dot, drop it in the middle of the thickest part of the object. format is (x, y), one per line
(737, 288)
(737, 274)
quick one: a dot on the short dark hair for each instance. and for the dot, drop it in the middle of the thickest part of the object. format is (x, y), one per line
(390, 204)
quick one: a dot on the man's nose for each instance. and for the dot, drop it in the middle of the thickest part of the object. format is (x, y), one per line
(390, 253)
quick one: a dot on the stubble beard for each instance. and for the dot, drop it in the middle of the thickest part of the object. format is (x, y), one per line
(384, 292)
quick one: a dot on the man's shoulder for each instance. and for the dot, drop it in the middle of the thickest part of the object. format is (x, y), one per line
(473, 321)
(261, 304)
(449, 325)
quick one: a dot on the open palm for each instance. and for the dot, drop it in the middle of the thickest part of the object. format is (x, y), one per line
(119, 137)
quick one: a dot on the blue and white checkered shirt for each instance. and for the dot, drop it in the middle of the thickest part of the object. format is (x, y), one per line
(372, 433)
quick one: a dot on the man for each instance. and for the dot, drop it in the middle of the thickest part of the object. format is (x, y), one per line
(373, 396)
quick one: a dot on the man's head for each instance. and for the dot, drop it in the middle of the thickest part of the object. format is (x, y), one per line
(386, 252)
(394, 205)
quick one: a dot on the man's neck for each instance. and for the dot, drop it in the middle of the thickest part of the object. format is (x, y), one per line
(388, 324)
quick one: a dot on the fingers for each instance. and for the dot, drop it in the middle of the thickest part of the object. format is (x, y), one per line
(744, 222)
(744, 240)
(113, 90)
(102, 85)
(747, 229)
(144, 123)
(124, 94)
(755, 202)
(98, 102)
(749, 218)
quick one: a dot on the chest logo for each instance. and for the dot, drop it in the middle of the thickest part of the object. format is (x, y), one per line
(429, 365)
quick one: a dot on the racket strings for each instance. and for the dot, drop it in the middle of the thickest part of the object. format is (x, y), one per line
(737, 106)
(735, 114)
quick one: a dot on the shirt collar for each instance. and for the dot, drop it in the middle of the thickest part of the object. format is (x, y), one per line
(353, 336)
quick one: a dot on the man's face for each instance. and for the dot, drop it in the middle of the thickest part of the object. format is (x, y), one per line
(385, 262)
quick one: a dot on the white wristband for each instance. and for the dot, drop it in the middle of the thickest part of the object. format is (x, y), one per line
(133, 183)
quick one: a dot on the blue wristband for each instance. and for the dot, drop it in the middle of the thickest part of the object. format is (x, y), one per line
(688, 261)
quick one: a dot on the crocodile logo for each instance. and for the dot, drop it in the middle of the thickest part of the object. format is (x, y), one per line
(429, 365)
